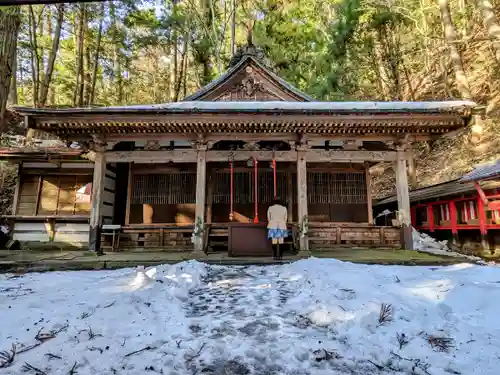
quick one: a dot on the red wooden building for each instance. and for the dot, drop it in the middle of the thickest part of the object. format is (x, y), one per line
(463, 208)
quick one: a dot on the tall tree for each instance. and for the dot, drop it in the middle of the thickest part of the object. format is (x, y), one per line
(9, 27)
(49, 69)
(97, 55)
(450, 36)
(491, 24)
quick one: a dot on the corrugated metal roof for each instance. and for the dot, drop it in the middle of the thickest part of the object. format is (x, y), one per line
(483, 172)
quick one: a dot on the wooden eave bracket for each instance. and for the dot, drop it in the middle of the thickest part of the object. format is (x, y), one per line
(480, 192)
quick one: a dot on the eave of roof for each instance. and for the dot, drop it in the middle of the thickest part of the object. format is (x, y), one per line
(443, 189)
(25, 153)
(460, 107)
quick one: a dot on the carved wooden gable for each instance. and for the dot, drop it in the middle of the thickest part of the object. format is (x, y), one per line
(249, 85)
(249, 81)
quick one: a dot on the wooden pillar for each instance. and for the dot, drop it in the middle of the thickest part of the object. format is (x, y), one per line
(290, 196)
(201, 185)
(97, 198)
(129, 194)
(481, 211)
(210, 193)
(302, 195)
(430, 217)
(15, 203)
(414, 216)
(454, 222)
(369, 195)
(403, 195)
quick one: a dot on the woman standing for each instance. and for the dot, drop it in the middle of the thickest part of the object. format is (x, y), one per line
(277, 217)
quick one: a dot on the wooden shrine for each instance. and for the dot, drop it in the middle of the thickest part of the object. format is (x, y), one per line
(189, 175)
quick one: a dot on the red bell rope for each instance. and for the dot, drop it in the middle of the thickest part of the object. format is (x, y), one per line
(231, 193)
(256, 217)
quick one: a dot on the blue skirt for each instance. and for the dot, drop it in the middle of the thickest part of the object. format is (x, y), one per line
(274, 233)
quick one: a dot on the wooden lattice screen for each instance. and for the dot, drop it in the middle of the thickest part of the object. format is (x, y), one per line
(170, 188)
(336, 187)
(244, 187)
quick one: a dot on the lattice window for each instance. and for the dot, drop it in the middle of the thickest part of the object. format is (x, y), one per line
(171, 188)
(336, 188)
(244, 182)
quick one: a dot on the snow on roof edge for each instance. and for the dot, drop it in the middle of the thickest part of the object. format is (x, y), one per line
(282, 105)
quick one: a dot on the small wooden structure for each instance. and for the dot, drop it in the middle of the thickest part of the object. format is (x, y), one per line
(187, 172)
(461, 206)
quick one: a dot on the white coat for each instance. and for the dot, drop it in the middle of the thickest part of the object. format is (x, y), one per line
(277, 217)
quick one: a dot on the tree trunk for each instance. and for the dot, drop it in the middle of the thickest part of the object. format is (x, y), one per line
(182, 72)
(175, 76)
(185, 59)
(52, 57)
(116, 58)
(35, 60)
(450, 36)
(96, 57)
(81, 51)
(491, 24)
(9, 26)
(88, 68)
(13, 98)
(233, 27)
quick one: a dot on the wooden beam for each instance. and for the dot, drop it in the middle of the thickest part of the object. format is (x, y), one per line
(314, 156)
(220, 136)
(175, 156)
(403, 196)
(189, 156)
(96, 205)
(302, 195)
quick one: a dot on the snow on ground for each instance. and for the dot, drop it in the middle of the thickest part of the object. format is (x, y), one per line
(309, 317)
(427, 244)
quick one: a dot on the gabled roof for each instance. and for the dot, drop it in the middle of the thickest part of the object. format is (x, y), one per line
(246, 61)
(483, 172)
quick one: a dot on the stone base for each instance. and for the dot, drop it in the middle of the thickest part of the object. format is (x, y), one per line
(197, 254)
(304, 253)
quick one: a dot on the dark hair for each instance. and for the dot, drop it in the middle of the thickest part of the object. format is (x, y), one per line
(276, 200)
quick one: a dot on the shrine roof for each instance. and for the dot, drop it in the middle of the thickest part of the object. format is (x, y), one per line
(36, 153)
(483, 171)
(456, 106)
(441, 190)
(245, 61)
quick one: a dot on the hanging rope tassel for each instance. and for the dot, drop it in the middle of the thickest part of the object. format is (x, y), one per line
(256, 217)
(231, 193)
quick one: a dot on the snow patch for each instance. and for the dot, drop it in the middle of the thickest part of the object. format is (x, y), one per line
(425, 243)
(311, 317)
